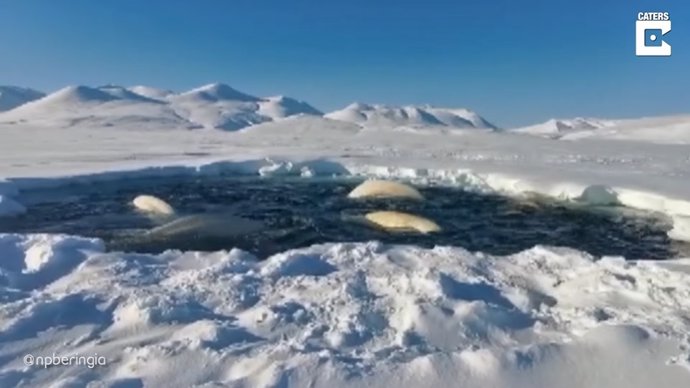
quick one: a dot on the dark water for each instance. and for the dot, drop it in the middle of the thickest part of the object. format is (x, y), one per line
(301, 212)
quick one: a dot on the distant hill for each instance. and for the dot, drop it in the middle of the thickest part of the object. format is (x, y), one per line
(376, 115)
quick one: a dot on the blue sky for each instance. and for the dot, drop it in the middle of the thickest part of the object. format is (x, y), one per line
(514, 62)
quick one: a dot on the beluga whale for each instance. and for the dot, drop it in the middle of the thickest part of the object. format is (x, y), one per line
(153, 205)
(402, 222)
(206, 225)
(201, 225)
(375, 188)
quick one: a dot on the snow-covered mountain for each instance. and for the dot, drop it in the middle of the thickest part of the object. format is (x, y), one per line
(98, 107)
(14, 96)
(375, 115)
(460, 118)
(281, 106)
(220, 106)
(211, 106)
(662, 129)
(560, 127)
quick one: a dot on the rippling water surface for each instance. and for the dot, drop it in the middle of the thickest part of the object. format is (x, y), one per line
(299, 212)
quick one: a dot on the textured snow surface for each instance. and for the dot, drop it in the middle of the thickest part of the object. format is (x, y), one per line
(341, 315)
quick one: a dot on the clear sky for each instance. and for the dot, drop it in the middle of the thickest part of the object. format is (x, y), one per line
(515, 62)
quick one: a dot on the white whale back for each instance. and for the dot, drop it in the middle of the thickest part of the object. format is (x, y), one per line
(153, 205)
(207, 225)
(393, 220)
(385, 189)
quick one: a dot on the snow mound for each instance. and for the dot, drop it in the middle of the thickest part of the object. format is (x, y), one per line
(14, 96)
(32, 262)
(384, 116)
(357, 314)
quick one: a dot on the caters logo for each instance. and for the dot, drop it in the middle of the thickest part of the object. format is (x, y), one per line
(650, 32)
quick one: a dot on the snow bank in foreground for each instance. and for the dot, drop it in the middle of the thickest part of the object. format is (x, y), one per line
(341, 315)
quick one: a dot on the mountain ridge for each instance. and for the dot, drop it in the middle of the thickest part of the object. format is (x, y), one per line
(390, 116)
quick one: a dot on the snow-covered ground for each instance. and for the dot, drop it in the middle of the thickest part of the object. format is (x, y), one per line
(341, 315)
(362, 314)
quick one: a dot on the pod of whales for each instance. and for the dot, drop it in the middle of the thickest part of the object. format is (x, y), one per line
(227, 225)
(394, 220)
(385, 189)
